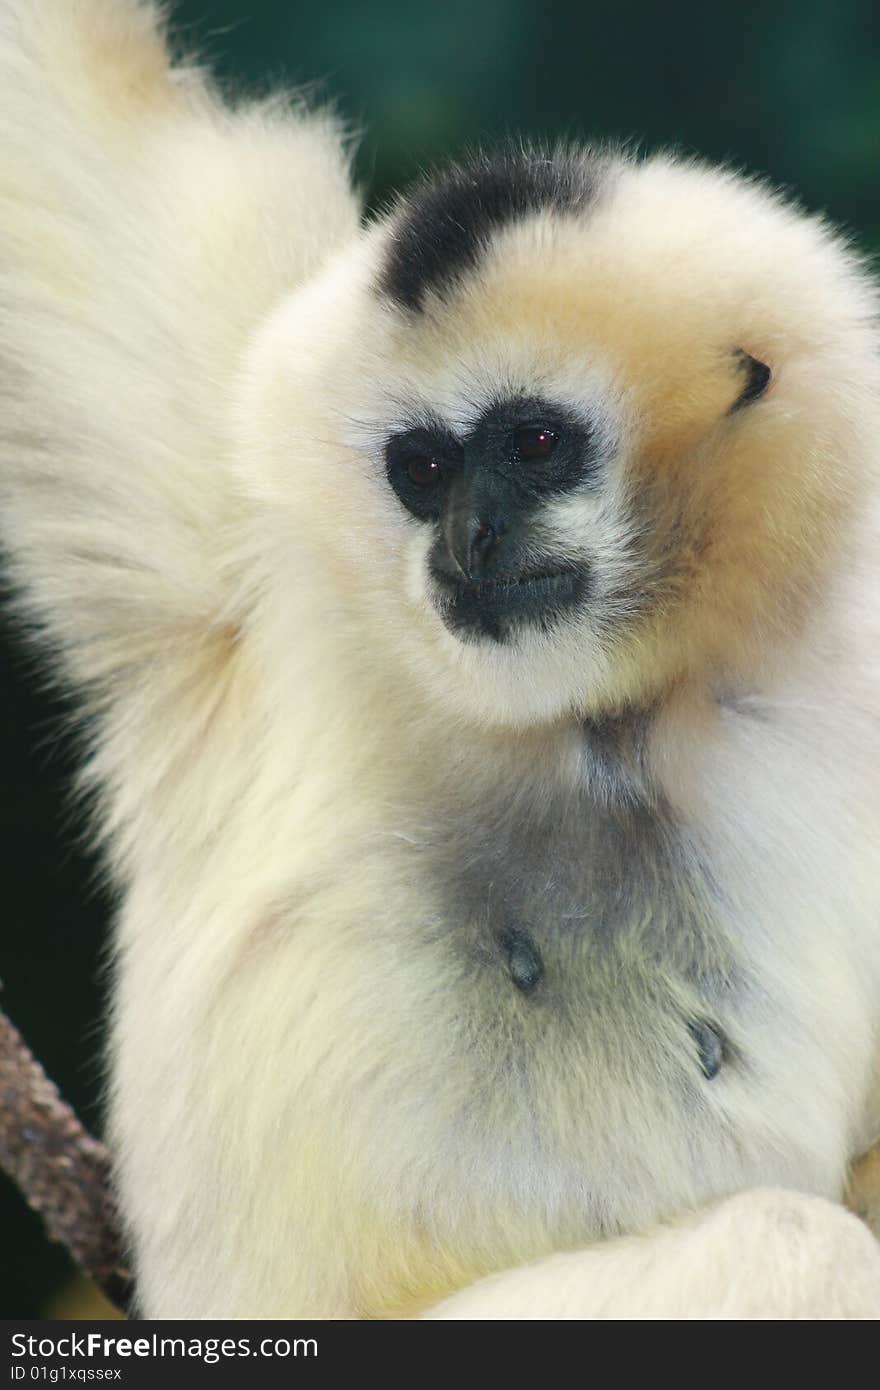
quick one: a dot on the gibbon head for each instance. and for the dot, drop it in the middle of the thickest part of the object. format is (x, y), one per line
(569, 430)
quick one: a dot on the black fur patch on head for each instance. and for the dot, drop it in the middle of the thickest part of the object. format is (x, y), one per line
(445, 225)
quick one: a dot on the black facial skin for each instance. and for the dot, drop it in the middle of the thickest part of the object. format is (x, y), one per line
(483, 496)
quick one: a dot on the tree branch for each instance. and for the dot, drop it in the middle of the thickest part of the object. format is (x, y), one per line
(63, 1173)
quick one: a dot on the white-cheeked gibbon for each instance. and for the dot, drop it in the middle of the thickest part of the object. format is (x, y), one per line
(476, 610)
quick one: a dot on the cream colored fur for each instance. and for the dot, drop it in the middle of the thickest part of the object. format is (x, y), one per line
(762, 1255)
(310, 1105)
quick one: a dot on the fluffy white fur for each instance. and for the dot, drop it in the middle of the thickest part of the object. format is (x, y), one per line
(762, 1255)
(310, 1106)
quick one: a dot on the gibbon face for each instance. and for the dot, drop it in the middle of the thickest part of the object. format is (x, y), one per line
(590, 428)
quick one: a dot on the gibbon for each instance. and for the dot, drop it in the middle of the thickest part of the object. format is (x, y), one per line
(477, 615)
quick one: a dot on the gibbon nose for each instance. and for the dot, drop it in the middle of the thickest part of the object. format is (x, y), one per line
(473, 543)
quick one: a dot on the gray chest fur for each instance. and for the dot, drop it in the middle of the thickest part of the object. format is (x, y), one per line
(593, 903)
(589, 1020)
(594, 977)
(592, 997)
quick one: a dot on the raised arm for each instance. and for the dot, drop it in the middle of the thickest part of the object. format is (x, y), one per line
(145, 228)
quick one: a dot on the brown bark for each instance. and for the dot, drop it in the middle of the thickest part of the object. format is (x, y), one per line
(63, 1173)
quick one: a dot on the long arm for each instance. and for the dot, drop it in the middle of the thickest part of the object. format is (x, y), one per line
(145, 228)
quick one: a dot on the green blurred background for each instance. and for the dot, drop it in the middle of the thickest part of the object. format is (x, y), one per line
(791, 90)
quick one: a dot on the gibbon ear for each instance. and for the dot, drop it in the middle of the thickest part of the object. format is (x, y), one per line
(758, 376)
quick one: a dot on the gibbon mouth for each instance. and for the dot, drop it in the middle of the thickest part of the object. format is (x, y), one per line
(497, 608)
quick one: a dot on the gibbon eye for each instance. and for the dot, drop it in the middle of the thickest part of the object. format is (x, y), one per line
(423, 470)
(420, 464)
(534, 441)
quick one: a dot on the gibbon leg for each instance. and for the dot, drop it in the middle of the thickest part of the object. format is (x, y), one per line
(764, 1254)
